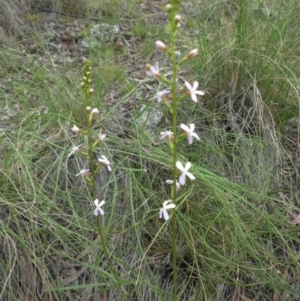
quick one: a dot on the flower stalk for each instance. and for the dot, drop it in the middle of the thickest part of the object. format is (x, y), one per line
(94, 167)
(169, 97)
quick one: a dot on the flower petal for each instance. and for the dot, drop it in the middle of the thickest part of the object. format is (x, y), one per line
(188, 85)
(194, 97)
(166, 215)
(182, 179)
(195, 86)
(170, 206)
(188, 165)
(165, 203)
(191, 176)
(185, 127)
(179, 166)
(196, 136)
(199, 93)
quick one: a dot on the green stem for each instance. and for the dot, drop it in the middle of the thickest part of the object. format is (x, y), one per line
(174, 130)
(93, 180)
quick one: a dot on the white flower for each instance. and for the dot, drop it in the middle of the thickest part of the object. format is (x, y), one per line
(153, 71)
(83, 172)
(160, 45)
(193, 90)
(184, 172)
(98, 209)
(161, 95)
(171, 183)
(165, 134)
(163, 211)
(105, 161)
(101, 136)
(75, 149)
(75, 129)
(189, 131)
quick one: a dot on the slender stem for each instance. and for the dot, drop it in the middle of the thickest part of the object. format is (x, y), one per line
(174, 130)
(86, 91)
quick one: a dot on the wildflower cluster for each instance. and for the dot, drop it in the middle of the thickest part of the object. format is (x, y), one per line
(171, 97)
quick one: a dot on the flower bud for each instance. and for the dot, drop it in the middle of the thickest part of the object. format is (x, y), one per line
(160, 45)
(193, 53)
(95, 111)
(168, 7)
(75, 129)
(91, 91)
(177, 18)
(88, 109)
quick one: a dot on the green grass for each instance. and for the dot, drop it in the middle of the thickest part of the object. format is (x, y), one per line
(234, 231)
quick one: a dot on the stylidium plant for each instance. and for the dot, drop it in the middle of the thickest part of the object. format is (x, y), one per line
(171, 96)
(87, 151)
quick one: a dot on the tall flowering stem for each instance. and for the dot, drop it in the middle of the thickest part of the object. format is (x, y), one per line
(174, 24)
(169, 97)
(94, 166)
(87, 91)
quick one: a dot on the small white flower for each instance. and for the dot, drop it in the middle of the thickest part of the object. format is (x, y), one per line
(160, 45)
(163, 211)
(105, 161)
(83, 172)
(171, 183)
(153, 71)
(184, 172)
(98, 209)
(101, 136)
(189, 131)
(165, 134)
(75, 149)
(75, 129)
(161, 95)
(95, 111)
(193, 90)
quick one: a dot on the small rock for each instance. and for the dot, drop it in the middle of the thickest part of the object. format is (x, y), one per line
(149, 118)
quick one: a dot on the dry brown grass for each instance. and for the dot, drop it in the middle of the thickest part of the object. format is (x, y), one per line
(14, 15)
(12, 20)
